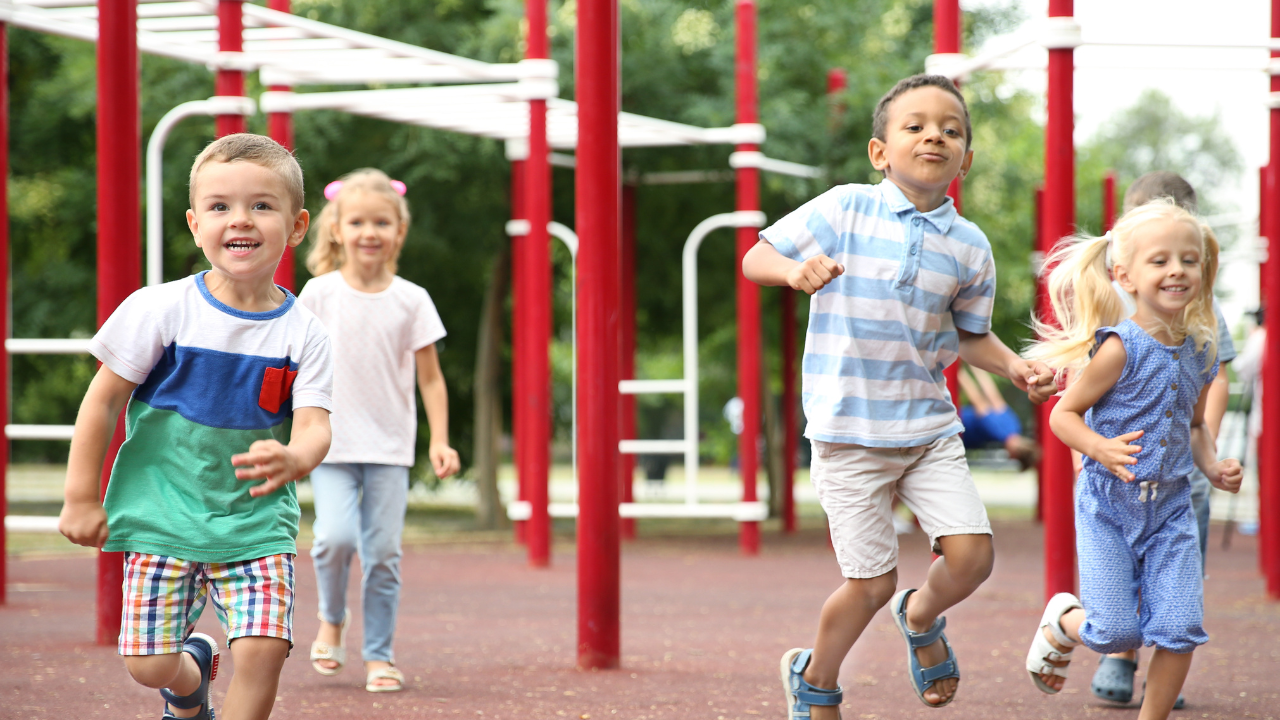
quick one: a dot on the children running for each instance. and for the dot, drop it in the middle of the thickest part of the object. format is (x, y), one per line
(1136, 411)
(382, 326)
(902, 287)
(227, 380)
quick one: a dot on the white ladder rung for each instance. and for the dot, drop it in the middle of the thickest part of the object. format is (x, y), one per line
(652, 447)
(739, 511)
(650, 387)
(39, 432)
(31, 523)
(47, 346)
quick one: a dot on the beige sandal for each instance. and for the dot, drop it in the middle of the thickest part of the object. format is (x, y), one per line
(386, 673)
(324, 651)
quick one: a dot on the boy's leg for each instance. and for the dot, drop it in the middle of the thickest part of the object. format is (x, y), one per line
(1165, 676)
(252, 693)
(386, 489)
(938, 488)
(336, 488)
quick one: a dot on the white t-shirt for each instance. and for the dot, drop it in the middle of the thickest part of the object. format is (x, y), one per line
(374, 336)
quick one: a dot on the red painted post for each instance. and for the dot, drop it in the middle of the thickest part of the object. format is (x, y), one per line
(947, 38)
(1266, 229)
(1264, 220)
(537, 257)
(280, 129)
(1059, 222)
(1108, 200)
(748, 293)
(1269, 482)
(119, 138)
(789, 403)
(4, 304)
(1043, 310)
(230, 82)
(521, 327)
(597, 200)
(627, 349)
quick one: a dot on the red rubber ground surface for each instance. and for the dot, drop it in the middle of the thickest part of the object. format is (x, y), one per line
(703, 628)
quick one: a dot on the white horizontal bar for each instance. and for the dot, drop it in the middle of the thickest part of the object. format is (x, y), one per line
(652, 447)
(741, 511)
(756, 159)
(650, 387)
(31, 523)
(39, 432)
(47, 346)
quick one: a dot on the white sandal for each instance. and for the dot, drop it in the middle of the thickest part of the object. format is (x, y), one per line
(1042, 651)
(386, 673)
(324, 651)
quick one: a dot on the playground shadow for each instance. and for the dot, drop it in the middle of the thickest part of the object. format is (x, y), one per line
(480, 635)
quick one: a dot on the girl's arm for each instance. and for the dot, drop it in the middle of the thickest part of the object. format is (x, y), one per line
(435, 397)
(1067, 418)
(82, 520)
(1223, 474)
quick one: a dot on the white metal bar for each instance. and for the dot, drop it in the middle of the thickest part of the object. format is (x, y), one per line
(31, 523)
(46, 346)
(566, 235)
(39, 432)
(740, 511)
(652, 447)
(650, 387)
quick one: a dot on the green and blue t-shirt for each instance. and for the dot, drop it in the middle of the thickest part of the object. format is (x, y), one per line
(211, 380)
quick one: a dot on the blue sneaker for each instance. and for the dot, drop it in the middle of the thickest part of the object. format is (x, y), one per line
(204, 650)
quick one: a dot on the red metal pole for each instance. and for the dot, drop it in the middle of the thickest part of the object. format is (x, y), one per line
(748, 293)
(119, 138)
(597, 200)
(1108, 200)
(947, 23)
(521, 328)
(230, 82)
(789, 403)
(1059, 221)
(1269, 481)
(1264, 222)
(537, 256)
(4, 303)
(280, 129)
(627, 357)
(1266, 229)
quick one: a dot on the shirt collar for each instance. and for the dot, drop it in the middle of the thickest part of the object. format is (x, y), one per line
(940, 217)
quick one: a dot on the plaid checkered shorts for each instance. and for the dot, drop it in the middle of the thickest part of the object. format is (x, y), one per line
(164, 596)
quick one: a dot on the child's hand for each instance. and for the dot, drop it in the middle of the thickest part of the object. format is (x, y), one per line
(814, 274)
(444, 460)
(269, 460)
(1035, 379)
(85, 523)
(1226, 475)
(1116, 454)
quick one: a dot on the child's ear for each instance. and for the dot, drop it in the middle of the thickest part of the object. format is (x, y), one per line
(968, 162)
(1121, 274)
(194, 225)
(300, 225)
(875, 151)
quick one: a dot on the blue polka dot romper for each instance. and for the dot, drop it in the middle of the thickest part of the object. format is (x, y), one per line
(1137, 542)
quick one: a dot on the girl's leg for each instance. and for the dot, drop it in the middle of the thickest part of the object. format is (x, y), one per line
(1167, 672)
(252, 693)
(382, 510)
(337, 490)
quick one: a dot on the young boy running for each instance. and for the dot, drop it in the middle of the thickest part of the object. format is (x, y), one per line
(902, 286)
(227, 380)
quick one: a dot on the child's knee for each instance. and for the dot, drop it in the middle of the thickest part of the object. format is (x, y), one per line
(153, 671)
(339, 541)
(1111, 635)
(259, 653)
(972, 564)
(875, 592)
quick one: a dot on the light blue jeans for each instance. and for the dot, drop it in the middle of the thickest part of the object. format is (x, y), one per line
(360, 508)
(1200, 488)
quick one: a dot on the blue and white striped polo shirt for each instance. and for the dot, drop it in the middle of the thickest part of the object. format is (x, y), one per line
(880, 336)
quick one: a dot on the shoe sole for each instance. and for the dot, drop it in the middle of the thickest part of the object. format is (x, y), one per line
(784, 669)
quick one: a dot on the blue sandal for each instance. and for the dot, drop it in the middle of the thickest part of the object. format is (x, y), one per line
(922, 678)
(800, 694)
(204, 650)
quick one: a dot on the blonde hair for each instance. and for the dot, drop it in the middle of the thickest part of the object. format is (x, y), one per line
(257, 149)
(326, 254)
(1084, 299)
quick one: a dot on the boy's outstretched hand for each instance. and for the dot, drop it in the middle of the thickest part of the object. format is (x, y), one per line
(1035, 379)
(267, 460)
(444, 460)
(814, 274)
(85, 523)
(1226, 475)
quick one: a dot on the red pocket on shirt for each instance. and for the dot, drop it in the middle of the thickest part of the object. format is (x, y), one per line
(277, 386)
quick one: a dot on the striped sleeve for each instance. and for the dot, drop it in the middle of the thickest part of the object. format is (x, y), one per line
(975, 298)
(811, 229)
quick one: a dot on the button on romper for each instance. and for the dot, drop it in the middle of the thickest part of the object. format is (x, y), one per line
(1137, 542)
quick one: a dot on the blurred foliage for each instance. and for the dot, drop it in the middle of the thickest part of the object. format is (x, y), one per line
(677, 64)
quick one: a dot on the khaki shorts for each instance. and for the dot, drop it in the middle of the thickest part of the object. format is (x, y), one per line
(856, 485)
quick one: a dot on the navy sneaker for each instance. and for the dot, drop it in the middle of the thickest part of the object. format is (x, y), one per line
(204, 650)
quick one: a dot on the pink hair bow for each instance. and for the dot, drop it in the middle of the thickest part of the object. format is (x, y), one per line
(332, 189)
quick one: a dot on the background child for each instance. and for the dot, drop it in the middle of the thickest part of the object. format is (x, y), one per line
(1145, 379)
(210, 365)
(1113, 679)
(916, 295)
(989, 420)
(382, 326)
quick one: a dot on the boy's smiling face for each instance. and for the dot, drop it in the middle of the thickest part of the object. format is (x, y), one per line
(924, 148)
(243, 219)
